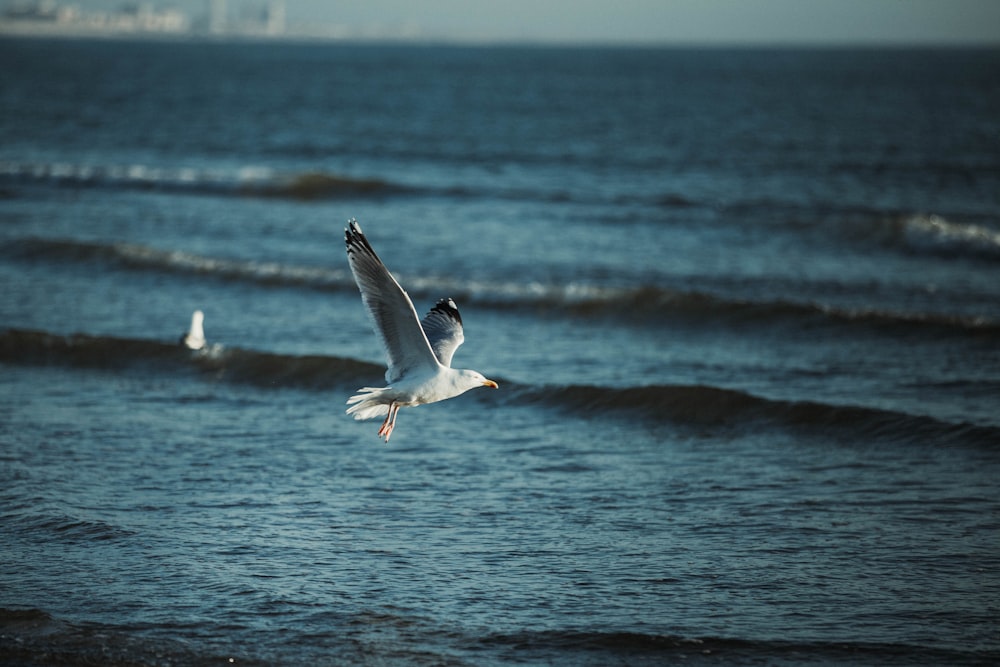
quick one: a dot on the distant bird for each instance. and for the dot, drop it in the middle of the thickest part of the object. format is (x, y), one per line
(419, 352)
(194, 339)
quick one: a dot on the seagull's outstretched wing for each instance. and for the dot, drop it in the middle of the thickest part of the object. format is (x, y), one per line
(443, 327)
(396, 321)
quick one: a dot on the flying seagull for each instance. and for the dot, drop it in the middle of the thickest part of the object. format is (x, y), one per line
(194, 339)
(419, 351)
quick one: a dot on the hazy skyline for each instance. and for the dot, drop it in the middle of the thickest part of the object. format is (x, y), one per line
(631, 21)
(768, 21)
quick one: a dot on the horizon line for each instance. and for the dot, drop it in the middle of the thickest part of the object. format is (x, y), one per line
(32, 30)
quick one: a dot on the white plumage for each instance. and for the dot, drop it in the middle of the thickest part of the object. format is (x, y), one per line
(194, 339)
(418, 352)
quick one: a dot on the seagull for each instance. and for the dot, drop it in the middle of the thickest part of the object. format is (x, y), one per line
(195, 337)
(418, 351)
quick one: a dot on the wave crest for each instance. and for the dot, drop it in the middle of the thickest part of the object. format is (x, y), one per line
(320, 185)
(933, 234)
(145, 258)
(682, 405)
(635, 305)
(700, 406)
(217, 362)
(245, 181)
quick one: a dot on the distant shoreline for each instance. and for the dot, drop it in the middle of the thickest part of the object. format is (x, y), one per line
(38, 29)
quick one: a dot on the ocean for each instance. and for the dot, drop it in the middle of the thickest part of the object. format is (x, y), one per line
(743, 306)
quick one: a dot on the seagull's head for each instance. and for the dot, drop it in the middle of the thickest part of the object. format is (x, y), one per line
(475, 379)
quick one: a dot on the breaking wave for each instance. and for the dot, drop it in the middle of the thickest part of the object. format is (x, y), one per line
(253, 181)
(640, 304)
(684, 405)
(935, 235)
(701, 406)
(246, 181)
(144, 258)
(215, 362)
(258, 181)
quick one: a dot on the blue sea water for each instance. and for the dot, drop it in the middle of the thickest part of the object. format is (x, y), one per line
(742, 306)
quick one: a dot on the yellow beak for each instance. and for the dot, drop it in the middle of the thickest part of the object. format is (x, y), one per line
(491, 383)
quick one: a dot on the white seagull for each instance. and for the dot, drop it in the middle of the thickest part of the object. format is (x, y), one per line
(418, 351)
(195, 337)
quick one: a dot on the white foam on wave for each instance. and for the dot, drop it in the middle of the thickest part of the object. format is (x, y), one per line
(533, 291)
(933, 232)
(138, 174)
(179, 260)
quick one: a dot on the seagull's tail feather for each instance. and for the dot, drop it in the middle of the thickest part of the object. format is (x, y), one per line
(368, 403)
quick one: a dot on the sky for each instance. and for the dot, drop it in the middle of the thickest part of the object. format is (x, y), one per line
(767, 21)
(636, 21)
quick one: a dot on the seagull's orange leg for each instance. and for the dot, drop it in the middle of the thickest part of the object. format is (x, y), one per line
(385, 424)
(390, 422)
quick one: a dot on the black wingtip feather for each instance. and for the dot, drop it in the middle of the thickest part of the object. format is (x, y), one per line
(355, 238)
(448, 307)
